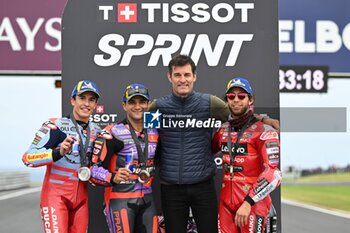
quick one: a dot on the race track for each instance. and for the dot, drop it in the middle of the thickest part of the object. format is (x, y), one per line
(21, 213)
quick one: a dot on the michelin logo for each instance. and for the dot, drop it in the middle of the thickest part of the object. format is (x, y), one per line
(151, 120)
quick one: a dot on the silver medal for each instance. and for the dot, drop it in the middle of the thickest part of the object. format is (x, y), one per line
(84, 173)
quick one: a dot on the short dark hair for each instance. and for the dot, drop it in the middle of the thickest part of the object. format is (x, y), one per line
(181, 60)
(96, 96)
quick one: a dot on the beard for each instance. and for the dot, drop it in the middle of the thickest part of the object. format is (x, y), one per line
(239, 112)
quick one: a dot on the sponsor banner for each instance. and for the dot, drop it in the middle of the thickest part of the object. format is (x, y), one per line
(133, 42)
(310, 33)
(315, 32)
(30, 36)
(157, 120)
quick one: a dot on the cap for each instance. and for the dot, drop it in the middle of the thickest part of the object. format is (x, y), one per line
(84, 86)
(134, 90)
(240, 82)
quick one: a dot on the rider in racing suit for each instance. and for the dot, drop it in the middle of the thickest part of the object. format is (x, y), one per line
(124, 155)
(250, 163)
(64, 204)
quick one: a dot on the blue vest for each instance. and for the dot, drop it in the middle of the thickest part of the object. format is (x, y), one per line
(185, 152)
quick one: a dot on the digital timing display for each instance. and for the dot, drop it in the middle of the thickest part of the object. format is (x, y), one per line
(303, 78)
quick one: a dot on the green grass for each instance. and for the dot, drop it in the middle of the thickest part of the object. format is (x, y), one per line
(340, 177)
(331, 197)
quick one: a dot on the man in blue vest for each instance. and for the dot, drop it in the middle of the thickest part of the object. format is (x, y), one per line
(186, 164)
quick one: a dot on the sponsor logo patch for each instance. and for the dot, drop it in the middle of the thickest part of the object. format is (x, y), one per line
(259, 224)
(274, 156)
(43, 130)
(242, 149)
(36, 157)
(269, 135)
(273, 150)
(261, 186)
(271, 144)
(152, 138)
(50, 125)
(246, 188)
(50, 219)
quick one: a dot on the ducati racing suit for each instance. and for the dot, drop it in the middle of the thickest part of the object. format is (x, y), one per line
(250, 175)
(64, 198)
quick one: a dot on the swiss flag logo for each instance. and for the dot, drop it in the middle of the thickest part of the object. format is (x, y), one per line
(100, 109)
(127, 12)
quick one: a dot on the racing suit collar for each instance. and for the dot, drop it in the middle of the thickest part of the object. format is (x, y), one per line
(83, 124)
(242, 120)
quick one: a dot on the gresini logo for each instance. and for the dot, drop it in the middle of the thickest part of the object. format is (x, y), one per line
(156, 120)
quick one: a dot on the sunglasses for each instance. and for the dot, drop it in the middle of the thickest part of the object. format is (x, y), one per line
(132, 91)
(232, 96)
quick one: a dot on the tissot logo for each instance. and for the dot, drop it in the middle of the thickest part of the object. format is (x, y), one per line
(180, 12)
(100, 109)
(119, 48)
(103, 119)
(127, 12)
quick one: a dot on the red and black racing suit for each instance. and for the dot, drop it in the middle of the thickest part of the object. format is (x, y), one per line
(255, 175)
(64, 198)
(129, 205)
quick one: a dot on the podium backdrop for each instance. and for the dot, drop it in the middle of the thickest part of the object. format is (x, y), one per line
(116, 43)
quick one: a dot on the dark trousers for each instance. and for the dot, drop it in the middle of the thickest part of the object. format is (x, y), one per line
(201, 197)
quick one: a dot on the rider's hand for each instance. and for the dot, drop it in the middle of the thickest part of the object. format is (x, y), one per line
(66, 145)
(242, 214)
(121, 175)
